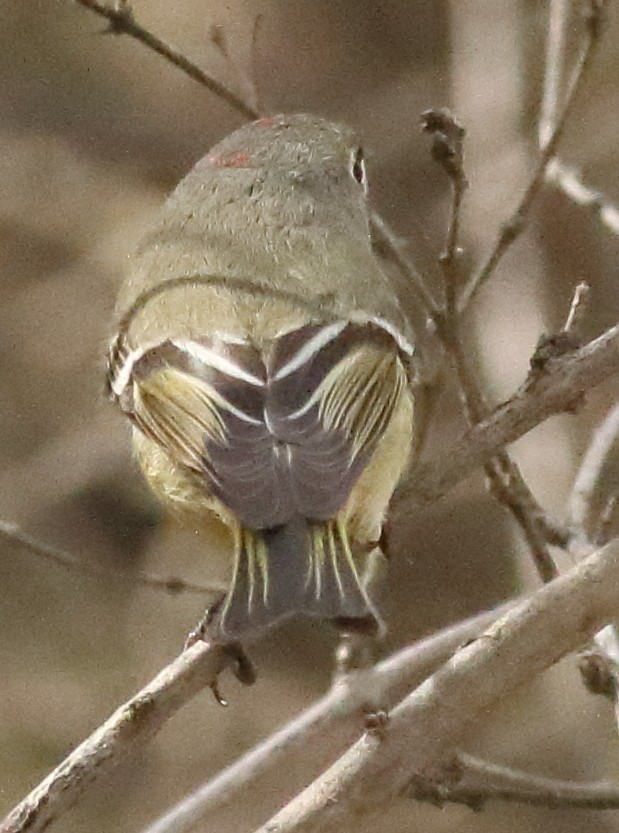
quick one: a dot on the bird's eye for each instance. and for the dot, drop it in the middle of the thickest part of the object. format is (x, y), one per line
(357, 169)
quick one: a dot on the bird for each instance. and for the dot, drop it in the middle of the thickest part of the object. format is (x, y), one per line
(264, 360)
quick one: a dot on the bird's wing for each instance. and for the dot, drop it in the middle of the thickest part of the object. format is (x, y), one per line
(332, 392)
(272, 434)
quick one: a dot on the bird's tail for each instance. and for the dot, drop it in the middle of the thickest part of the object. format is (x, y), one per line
(299, 567)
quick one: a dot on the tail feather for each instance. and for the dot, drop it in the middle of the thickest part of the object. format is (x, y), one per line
(300, 567)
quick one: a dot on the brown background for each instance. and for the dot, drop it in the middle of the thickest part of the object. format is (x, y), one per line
(93, 131)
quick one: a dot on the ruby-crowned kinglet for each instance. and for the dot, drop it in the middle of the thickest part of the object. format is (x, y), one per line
(263, 359)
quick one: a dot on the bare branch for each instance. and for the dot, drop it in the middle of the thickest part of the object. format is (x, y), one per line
(122, 22)
(589, 473)
(558, 19)
(558, 174)
(131, 725)
(448, 151)
(558, 387)
(578, 308)
(512, 229)
(138, 720)
(439, 714)
(173, 585)
(568, 181)
(473, 781)
(510, 488)
(395, 676)
(411, 274)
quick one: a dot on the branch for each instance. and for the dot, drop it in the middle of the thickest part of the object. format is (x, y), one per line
(558, 18)
(512, 229)
(173, 585)
(558, 174)
(473, 782)
(394, 677)
(138, 720)
(122, 22)
(590, 471)
(557, 387)
(133, 724)
(568, 181)
(437, 716)
(412, 275)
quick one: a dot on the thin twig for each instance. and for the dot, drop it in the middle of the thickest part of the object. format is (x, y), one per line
(505, 480)
(395, 676)
(13, 534)
(539, 530)
(558, 19)
(253, 63)
(122, 22)
(588, 477)
(131, 725)
(514, 226)
(558, 174)
(578, 309)
(448, 151)
(401, 258)
(472, 781)
(568, 181)
(441, 713)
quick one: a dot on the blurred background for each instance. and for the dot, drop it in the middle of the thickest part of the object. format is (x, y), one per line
(94, 130)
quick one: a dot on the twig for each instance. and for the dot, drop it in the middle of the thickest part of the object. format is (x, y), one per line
(253, 63)
(539, 530)
(568, 181)
(472, 781)
(506, 481)
(397, 250)
(122, 22)
(558, 19)
(559, 387)
(217, 36)
(13, 534)
(448, 150)
(134, 723)
(439, 714)
(578, 309)
(587, 479)
(564, 178)
(558, 174)
(395, 676)
(514, 226)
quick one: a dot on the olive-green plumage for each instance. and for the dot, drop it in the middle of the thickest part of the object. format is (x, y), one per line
(268, 381)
